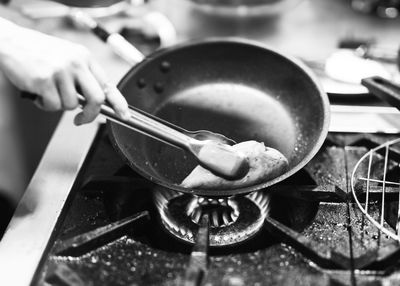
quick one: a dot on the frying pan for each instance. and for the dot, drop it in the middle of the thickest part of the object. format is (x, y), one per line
(238, 88)
(384, 89)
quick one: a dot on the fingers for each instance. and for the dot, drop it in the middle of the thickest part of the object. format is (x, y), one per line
(117, 102)
(112, 94)
(50, 98)
(59, 92)
(96, 89)
(93, 86)
(67, 90)
(57, 84)
(94, 96)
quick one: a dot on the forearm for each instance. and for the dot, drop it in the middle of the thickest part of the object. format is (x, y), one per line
(13, 167)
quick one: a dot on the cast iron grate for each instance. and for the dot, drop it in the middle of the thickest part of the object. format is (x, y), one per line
(314, 234)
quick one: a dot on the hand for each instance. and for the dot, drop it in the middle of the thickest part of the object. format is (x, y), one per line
(53, 68)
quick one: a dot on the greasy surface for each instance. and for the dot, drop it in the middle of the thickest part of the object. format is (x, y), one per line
(202, 89)
(264, 164)
(328, 168)
(149, 256)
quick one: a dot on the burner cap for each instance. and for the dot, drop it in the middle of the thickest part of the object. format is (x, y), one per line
(232, 219)
(222, 212)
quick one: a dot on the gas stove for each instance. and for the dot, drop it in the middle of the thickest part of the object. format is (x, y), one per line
(117, 228)
(100, 223)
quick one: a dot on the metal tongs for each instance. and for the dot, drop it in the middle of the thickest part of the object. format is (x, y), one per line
(212, 150)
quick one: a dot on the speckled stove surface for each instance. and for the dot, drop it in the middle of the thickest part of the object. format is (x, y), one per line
(111, 234)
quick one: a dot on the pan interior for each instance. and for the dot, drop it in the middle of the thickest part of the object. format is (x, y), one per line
(235, 110)
(241, 90)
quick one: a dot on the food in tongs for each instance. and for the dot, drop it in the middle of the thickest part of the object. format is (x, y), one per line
(265, 164)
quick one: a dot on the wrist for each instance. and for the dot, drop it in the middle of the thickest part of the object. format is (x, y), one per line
(7, 29)
(8, 33)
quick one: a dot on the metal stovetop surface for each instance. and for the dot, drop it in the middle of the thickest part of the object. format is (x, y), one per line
(110, 234)
(46, 219)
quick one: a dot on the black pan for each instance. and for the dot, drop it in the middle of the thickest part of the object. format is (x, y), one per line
(235, 87)
(384, 89)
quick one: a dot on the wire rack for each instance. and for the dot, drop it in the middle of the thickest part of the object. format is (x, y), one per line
(375, 176)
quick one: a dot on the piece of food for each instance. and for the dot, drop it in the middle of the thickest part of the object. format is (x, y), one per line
(265, 164)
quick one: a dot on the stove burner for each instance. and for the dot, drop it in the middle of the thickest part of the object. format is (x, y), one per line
(232, 220)
(222, 212)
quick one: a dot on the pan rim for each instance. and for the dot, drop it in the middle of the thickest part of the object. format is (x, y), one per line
(259, 186)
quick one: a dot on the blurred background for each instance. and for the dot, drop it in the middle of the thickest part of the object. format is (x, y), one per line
(314, 31)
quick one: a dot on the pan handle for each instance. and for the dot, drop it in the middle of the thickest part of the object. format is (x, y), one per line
(384, 89)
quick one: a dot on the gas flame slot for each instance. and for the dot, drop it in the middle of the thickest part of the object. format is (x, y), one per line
(232, 219)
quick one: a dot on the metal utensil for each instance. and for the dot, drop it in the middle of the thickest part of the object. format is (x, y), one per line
(218, 157)
(372, 174)
(370, 178)
(211, 150)
(198, 134)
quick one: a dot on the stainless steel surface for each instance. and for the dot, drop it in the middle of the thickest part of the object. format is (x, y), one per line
(26, 238)
(364, 119)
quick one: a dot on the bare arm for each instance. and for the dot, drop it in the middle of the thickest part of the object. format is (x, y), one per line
(53, 68)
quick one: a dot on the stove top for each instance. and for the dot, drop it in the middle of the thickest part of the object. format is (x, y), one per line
(114, 232)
